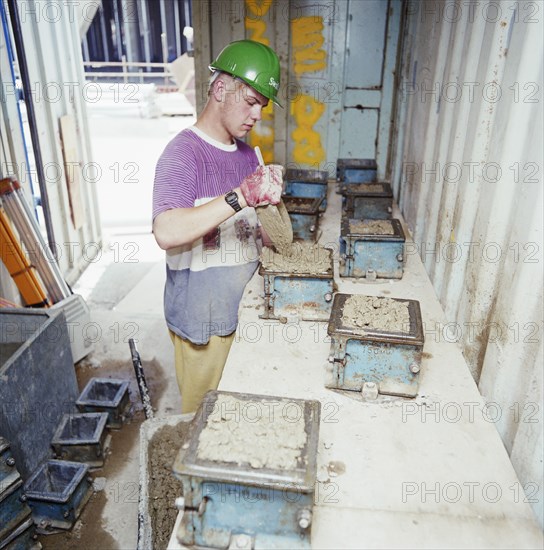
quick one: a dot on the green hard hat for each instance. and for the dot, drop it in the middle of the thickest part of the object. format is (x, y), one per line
(256, 64)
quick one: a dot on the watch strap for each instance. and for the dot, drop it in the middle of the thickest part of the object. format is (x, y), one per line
(232, 199)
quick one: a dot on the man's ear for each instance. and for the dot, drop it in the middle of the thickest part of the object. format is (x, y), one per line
(218, 90)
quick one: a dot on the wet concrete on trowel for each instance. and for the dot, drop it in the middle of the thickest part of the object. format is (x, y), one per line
(276, 224)
(88, 531)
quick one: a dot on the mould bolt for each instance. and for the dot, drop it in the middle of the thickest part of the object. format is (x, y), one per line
(304, 518)
(179, 503)
(328, 297)
(202, 506)
(414, 367)
(369, 390)
(242, 541)
(10, 461)
(400, 258)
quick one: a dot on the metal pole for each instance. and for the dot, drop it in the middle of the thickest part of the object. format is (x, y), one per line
(32, 123)
(118, 39)
(125, 75)
(143, 16)
(142, 384)
(164, 55)
(177, 29)
(103, 34)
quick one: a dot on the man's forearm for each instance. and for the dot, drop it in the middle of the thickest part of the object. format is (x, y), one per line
(180, 226)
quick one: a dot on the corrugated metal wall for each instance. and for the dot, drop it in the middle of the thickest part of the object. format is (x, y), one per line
(53, 53)
(337, 74)
(468, 177)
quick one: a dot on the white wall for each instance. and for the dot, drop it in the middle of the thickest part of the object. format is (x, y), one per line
(53, 53)
(469, 183)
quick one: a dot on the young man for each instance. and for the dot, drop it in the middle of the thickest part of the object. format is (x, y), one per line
(206, 182)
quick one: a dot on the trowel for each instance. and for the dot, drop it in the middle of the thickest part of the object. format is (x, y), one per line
(275, 219)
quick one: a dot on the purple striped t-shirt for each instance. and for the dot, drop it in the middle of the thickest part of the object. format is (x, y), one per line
(194, 166)
(205, 280)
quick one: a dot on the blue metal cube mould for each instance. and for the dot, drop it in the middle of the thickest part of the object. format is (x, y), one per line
(57, 493)
(304, 215)
(7, 462)
(370, 253)
(226, 504)
(307, 183)
(390, 360)
(81, 437)
(23, 536)
(371, 201)
(356, 170)
(13, 509)
(106, 395)
(308, 296)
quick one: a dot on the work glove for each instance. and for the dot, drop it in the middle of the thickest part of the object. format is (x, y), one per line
(264, 186)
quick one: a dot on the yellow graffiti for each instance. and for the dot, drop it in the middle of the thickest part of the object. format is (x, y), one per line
(265, 137)
(257, 28)
(307, 39)
(258, 8)
(254, 23)
(263, 133)
(308, 56)
(308, 149)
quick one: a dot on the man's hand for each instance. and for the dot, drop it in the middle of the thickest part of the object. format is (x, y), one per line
(264, 186)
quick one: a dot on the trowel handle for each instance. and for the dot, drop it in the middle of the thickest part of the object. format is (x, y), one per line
(259, 155)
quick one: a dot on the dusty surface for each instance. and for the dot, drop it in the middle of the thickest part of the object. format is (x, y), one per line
(378, 313)
(276, 224)
(371, 227)
(164, 487)
(372, 188)
(249, 432)
(300, 203)
(7, 350)
(299, 257)
(368, 188)
(88, 531)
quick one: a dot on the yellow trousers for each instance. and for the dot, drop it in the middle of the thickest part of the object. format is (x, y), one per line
(199, 367)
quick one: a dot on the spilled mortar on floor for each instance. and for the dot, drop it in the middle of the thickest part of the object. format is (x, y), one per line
(163, 486)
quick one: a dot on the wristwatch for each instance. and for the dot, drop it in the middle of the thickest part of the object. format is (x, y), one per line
(232, 199)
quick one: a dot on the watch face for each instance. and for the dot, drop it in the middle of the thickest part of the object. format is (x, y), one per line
(232, 199)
